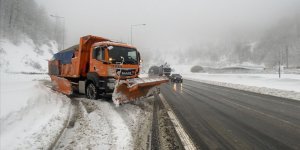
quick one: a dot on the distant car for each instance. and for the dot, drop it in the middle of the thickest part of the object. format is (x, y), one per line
(176, 78)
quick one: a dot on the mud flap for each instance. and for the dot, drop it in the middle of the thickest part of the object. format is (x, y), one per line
(135, 89)
(61, 85)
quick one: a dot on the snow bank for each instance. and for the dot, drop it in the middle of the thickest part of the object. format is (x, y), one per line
(245, 68)
(31, 114)
(288, 86)
(101, 125)
(16, 90)
(288, 82)
(26, 56)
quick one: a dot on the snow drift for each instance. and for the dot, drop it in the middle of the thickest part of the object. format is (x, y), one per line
(265, 83)
(25, 56)
(31, 114)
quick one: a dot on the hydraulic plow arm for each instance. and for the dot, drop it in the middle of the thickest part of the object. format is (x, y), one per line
(135, 89)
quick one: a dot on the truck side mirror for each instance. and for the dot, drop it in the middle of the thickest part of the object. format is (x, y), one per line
(110, 47)
(139, 57)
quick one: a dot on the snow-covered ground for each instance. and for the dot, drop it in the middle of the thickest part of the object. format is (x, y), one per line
(32, 115)
(288, 86)
(102, 125)
(17, 90)
(288, 82)
(25, 56)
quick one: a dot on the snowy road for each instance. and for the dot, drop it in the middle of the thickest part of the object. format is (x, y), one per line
(224, 118)
(99, 124)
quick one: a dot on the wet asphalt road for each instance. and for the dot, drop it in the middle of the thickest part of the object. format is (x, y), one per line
(223, 118)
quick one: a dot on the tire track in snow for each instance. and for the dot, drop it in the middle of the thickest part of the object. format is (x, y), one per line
(121, 136)
(98, 126)
(66, 124)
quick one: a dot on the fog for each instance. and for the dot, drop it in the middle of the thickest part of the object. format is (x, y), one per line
(171, 25)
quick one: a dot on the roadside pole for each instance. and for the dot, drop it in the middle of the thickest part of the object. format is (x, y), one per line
(279, 70)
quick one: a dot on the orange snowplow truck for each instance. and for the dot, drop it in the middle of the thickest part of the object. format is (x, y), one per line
(99, 66)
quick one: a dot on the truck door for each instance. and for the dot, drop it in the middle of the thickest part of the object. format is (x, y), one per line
(97, 61)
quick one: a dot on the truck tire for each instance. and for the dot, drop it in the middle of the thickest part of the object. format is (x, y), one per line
(92, 91)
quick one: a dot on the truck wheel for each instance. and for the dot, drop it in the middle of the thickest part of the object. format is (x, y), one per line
(91, 91)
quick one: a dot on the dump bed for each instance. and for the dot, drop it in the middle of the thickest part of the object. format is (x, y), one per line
(74, 61)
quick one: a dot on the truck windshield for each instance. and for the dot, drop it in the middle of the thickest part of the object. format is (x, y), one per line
(129, 54)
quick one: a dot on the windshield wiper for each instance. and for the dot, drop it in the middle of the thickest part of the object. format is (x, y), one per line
(130, 62)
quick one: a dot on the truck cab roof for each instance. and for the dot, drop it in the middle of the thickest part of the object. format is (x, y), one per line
(108, 43)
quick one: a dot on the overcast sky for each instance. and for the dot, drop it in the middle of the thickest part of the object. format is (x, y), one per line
(170, 24)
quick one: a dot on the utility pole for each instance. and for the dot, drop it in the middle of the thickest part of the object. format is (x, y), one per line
(279, 63)
(63, 45)
(131, 28)
(279, 70)
(1, 19)
(287, 57)
(63, 34)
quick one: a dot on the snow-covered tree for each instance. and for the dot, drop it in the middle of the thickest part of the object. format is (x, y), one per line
(26, 17)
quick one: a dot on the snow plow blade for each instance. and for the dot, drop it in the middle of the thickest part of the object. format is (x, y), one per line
(137, 88)
(61, 85)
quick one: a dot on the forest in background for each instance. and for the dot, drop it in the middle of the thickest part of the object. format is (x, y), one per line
(280, 42)
(21, 19)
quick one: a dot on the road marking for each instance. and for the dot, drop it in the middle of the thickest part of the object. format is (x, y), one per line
(267, 115)
(185, 139)
(256, 111)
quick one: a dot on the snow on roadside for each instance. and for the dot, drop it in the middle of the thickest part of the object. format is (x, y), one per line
(138, 118)
(16, 90)
(121, 136)
(287, 87)
(101, 125)
(32, 115)
(25, 56)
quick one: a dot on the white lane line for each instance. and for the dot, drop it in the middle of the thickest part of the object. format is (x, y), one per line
(259, 112)
(256, 111)
(185, 139)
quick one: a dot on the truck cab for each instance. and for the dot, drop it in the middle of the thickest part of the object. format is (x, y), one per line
(114, 60)
(110, 61)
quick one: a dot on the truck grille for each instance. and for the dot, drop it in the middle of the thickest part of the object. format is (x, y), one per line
(126, 72)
